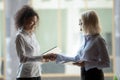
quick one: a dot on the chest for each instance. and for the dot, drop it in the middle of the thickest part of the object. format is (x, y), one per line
(90, 48)
(31, 45)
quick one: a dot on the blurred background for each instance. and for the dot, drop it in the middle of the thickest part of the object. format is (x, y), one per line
(58, 25)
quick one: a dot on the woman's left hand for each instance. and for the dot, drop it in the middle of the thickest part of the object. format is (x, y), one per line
(79, 63)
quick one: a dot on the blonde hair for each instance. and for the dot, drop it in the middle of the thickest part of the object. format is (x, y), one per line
(90, 22)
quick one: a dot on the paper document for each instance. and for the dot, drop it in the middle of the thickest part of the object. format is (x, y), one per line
(52, 50)
(67, 63)
(70, 62)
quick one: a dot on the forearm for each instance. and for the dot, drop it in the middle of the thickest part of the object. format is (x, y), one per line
(61, 58)
(25, 59)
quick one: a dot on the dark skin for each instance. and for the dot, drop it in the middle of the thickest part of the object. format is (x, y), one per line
(29, 24)
(50, 57)
(53, 56)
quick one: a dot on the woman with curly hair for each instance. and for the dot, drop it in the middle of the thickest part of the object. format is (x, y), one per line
(27, 45)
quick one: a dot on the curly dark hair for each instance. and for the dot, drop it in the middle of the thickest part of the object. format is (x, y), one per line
(24, 14)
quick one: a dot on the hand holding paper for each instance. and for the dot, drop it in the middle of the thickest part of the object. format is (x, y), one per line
(51, 55)
(80, 63)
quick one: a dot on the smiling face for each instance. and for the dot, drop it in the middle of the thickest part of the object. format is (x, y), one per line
(30, 23)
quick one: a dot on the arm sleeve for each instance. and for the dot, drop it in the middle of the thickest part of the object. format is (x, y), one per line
(63, 59)
(103, 54)
(20, 48)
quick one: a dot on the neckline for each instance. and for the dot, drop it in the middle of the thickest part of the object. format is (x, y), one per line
(27, 33)
(91, 36)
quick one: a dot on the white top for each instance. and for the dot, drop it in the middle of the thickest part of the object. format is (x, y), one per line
(28, 50)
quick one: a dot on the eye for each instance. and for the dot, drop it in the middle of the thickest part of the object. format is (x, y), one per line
(81, 23)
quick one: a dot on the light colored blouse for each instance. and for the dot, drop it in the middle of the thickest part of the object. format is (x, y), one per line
(93, 52)
(28, 51)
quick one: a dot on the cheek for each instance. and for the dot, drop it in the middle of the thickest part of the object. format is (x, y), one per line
(81, 27)
(28, 23)
(32, 23)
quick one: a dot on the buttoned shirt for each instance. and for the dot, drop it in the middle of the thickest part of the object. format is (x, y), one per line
(28, 50)
(93, 52)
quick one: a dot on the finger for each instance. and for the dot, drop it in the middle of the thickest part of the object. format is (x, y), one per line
(46, 60)
(53, 59)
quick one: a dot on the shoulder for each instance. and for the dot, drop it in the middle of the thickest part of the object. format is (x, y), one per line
(19, 36)
(100, 40)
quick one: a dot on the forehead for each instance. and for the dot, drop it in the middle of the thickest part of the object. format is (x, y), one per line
(33, 18)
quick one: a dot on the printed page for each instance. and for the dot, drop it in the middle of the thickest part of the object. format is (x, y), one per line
(52, 50)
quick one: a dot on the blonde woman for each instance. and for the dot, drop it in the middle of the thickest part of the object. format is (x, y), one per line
(93, 55)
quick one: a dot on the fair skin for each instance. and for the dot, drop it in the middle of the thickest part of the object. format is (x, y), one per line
(53, 56)
(81, 24)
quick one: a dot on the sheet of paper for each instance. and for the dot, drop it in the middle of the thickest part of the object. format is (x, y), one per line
(52, 50)
(70, 62)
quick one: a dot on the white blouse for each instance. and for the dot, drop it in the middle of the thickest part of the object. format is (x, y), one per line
(28, 51)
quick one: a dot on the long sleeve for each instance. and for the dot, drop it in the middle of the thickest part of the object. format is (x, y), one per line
(103, 54)
(94, 52)
(62, 59)
(102, 60)
(20, 48)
